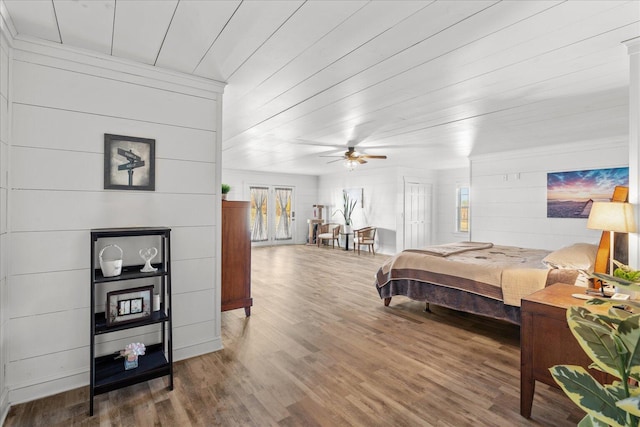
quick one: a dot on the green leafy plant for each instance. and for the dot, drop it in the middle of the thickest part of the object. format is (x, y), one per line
(225, 188)
(625, 272)
(348, 206)
(623, 277)
(612, 341)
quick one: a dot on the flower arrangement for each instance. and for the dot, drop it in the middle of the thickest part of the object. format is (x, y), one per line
(348, 206)
(132, 351)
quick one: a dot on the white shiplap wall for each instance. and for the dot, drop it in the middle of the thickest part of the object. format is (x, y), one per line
(4, 237)
(63, 102)
(305, 190)
(509, 193)
(445, 200)
(380, 195)
(383, 200)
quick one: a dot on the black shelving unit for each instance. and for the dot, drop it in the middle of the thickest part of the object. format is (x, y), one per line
(107, 371)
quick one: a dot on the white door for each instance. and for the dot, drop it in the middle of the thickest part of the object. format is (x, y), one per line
(272, 215)
(417, 214)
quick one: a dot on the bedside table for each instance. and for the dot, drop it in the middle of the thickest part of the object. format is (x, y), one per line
(546, 340)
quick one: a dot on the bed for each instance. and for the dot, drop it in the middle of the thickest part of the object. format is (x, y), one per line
(490, 280)
(482, 278)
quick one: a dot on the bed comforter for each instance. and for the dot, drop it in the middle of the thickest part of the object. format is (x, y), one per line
(501, 273)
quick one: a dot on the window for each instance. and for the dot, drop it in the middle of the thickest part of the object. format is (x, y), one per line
(462, 210)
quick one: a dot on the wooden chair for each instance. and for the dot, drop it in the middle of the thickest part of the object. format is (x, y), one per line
(365, 237)
(328, 232)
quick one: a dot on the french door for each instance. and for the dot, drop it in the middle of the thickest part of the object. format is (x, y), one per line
(271, 215)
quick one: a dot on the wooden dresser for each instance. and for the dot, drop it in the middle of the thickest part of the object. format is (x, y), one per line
(236, 257)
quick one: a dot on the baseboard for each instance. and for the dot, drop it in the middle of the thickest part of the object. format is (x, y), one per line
(43, 389)
(29, 392)
(4, 406)
(197, 349)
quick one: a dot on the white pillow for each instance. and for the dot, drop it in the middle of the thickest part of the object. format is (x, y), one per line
(579, 256)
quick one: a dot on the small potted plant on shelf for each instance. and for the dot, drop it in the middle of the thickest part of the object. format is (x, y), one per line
(225, 189)
(347, 209)
(624, 278)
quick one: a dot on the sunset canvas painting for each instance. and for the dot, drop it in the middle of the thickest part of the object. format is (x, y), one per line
(571, 194)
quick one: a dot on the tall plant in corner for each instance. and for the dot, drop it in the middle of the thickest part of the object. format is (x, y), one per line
(611, 338)
(347, 208)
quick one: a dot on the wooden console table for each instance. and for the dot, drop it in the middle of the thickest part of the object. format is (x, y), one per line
(546, 340)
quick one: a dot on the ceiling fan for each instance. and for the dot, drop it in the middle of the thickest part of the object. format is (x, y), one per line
(353, 158)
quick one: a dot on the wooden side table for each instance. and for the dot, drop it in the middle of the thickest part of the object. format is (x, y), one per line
(546, 340)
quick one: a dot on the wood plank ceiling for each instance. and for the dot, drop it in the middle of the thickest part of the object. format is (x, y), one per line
(427, 83)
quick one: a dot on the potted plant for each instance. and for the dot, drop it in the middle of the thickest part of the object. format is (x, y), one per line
(611, 338)
(225, 189)
(347, 209)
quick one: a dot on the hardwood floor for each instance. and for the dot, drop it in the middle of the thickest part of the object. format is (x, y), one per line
(320, 349)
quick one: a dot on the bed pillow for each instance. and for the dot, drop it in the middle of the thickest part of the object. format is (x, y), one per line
(579, 256)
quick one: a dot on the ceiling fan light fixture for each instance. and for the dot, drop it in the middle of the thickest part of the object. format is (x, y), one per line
(351, 164)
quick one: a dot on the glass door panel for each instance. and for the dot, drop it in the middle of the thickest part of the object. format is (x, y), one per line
(271, 215)
(283, 213)
(259, 219)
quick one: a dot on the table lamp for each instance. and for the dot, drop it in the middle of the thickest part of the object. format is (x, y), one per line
(614, 217)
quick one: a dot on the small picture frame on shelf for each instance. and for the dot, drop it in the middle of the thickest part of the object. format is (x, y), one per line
(129, 305)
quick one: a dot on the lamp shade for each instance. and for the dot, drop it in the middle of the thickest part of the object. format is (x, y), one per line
(612, 216)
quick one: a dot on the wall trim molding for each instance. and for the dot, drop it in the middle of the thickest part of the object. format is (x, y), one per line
(570, 147)
(50, 50)
(196, 350)
(6, 23)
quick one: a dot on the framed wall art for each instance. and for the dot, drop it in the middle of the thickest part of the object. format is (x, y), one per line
(571, 194)
(129, 163)
(129, 305)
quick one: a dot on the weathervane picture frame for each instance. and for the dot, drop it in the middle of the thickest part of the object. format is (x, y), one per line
(129, 163)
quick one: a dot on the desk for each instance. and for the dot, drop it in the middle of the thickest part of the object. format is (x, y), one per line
(546, 340)
(346, 240)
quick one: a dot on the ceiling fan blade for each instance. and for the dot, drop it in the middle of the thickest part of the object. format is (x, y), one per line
(299, 141)
(336, 160)
(362, 131)
(361, 160)
(369, 156)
